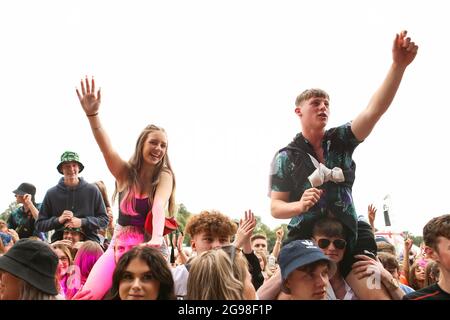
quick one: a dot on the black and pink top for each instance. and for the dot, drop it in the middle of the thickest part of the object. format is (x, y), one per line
(142, 208)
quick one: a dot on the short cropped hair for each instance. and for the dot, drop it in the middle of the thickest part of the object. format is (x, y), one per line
(436, 227)
(311, 93)
(258, 236)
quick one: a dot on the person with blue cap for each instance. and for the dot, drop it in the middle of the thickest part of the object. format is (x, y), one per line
(305, 270)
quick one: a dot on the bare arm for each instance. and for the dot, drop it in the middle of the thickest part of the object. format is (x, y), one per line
(366, 267)
(403, 51)
(407, 247)
(281, 208)
(277, 246)
(91, 104)
(271, 288)
(162, 195)
(34, 211)
(182, 255)
(371, 214)
(110, 228)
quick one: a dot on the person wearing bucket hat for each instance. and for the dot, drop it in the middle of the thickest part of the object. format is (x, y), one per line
(23, 218)
(74, 234)
(70, 156)
(28, 272)
(305, 270)
(72, 203)
(145, 184)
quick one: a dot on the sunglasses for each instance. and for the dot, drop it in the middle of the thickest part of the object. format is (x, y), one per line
(325, 243)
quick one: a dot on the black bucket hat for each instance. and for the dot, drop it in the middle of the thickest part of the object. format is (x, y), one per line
(34, 262)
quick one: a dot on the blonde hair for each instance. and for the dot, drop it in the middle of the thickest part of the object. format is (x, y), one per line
(29, 292)
(211, 277)
(128, 203)
(65, 250)
(311, 93)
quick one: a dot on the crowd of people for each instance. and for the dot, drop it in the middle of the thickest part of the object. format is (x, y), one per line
(69, 246)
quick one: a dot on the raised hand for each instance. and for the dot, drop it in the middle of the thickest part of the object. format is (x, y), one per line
(245, 231)
(408, 245)
(27, 199)
(403, 50)
(88, 100)
(180, 240)
(371, 214)
(280, 234)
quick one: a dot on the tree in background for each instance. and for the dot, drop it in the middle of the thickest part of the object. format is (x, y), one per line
(12, 206)
(182, 216)
(270, 234)
(417, 240)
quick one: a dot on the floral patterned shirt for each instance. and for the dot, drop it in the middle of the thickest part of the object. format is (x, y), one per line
(290, 172)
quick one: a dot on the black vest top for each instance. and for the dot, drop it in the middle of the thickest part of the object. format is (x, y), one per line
(142, 208)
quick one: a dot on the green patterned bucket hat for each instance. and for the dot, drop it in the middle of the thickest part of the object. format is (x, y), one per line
(69, 156)
(80, 230)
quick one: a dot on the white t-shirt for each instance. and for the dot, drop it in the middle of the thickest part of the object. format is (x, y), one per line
(349, 294)
(180, 278)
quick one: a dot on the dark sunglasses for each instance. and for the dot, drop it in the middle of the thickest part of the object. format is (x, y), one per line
(325, 243)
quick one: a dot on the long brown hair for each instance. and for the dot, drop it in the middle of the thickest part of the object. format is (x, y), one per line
(135, 166)
(102, 187)
(412, 279)
(158, 266)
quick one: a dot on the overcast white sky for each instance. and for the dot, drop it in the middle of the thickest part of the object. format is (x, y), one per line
(222, 77)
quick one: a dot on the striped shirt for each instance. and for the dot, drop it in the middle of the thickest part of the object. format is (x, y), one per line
(433, 292)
